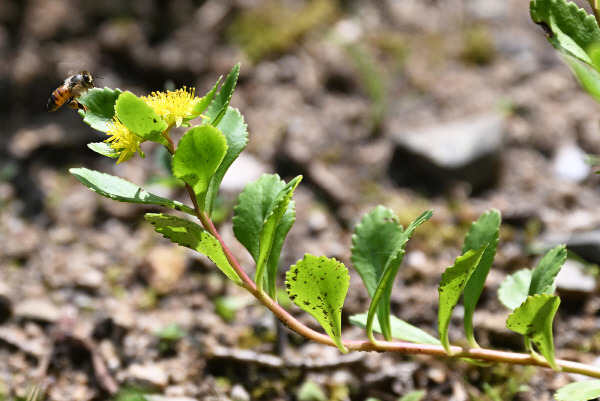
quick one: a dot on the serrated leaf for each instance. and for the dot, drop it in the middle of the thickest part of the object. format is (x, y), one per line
(515, 288)
(104, 149)
(251, 214)
(546, 270)
(140, 118)
(588, 76)
(373, 242)
(235, 130)
(533, 319)
(399, 329)
(318, 285)
(384, 287)
(198, 155)
(206, 100)
(569, 28)
(190, 235)
(454, 280)
(101, 107)
(579, 391)
(219, 106)
(485, 231)
(269, 230)
(122, 190)
(283, 227)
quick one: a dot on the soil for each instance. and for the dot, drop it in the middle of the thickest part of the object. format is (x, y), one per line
(86, 285)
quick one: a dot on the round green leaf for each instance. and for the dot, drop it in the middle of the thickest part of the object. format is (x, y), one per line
(579, 391)
(101, 107)
(139, 117)
(198, 155)
(514, 289)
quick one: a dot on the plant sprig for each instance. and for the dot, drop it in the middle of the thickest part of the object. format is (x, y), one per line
(317, 284)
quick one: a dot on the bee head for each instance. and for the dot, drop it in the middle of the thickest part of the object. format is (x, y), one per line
(87, 79)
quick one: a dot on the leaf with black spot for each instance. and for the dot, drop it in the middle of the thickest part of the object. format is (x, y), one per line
(318, 285)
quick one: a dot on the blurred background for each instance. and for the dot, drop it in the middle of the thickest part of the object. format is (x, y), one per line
(456, 105)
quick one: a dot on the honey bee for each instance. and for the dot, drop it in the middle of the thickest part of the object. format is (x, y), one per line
(67, 93)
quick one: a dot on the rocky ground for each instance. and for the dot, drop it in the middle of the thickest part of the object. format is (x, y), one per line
(454, 105)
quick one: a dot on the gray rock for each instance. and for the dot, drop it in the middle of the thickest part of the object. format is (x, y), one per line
(586, 244)
(244, 169)
(40, 310)
(149, 375)
(434, 157)
(573, 284)
(239, 393)
(569, 163)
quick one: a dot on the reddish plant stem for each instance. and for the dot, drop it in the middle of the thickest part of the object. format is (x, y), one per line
(381, 346)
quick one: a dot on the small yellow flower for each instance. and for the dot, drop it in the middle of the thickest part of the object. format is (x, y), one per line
(174, 107)
(125, 142)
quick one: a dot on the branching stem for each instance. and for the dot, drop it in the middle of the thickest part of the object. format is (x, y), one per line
(380, 346)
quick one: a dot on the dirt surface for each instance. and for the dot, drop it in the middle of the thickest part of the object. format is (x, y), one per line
(86, 285)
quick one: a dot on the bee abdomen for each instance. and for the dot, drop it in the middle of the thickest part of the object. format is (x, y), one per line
(58, 98)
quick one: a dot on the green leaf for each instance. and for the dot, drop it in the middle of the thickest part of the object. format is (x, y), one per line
(170, 332)
(579, 391)
(546, 270)
(122, 190)
(206, 100)
(588, 76)
(515, 288)
(269, 231)
(191, 235)
(198, 155)
(251, 211)
(101, 107)
(319, 285)
(283, 227)
(399, 329)
(255, 205)
(104, 149)
(533, 319)
(140, 118)
(235, 130)
(569, 28)
(484, 231)
(311, 391)
(373, 243)
(454, 280)
(415, 395)
(219, 106)
(384, 287)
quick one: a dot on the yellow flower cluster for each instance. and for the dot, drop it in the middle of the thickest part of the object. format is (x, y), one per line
(125, 142)
(174, 107)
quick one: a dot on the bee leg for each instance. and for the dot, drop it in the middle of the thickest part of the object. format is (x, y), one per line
(74, 104)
